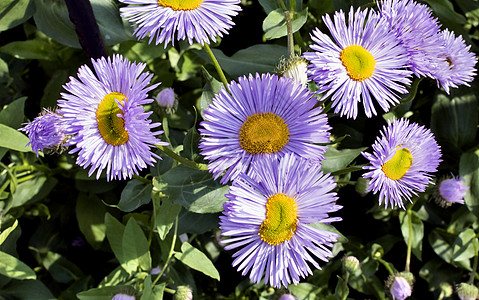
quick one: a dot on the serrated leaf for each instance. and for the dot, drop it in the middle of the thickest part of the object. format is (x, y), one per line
(13, 139)
(134, 195)
(417, 231)
(465, 245)
(195, 189)
(15, 12)
(339, 159)
(197, 260)
(12, 267)
(135, 248)
(90, 213)
(275, 27)
(469, 171)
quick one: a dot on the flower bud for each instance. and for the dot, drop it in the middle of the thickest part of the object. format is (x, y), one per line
(400, 285)
(351, 264)
(296, 68)
(167, 100)
(287, 297)
(123, 297)
(467, 291)
(450, 191)
(183, 292)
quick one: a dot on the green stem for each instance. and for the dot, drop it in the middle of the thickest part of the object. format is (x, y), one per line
(289, 27)
(170, 291)
(347, 170)
(474, 267)
(166, 129)
(142, 179)
(409, 240)
(386, 265)
(217, 66)
(181, 159)
(344, 295)
(282, 5)
(170, 254)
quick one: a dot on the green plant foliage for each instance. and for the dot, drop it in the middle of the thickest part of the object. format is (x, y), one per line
(197, 260)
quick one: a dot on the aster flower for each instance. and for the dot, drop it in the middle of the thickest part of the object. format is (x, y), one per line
(104, 114)
(46, 132)
(450, 191)
(417, 30)
(268, 218)
(403, 158)
(263, 116)
(457, 62)
(399, 287)
(170, 20)
(365, 62)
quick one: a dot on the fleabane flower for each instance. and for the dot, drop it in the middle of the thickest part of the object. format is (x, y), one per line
(449, 191)
(46, 132)
(417, 30)
(105, 117)
(400, 285)
(457, 62)
(403, 158)
(263, 116)
(269, 220)
(364, 62)
(170, 20)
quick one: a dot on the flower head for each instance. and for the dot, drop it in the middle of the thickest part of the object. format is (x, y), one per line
(263, 116)
(295, 67)
(167, 100)
(104, 114)
(417, 30)
(363, 62)
(170, 20)
(403, 158)
(46, 132)
(457, 62)
(450, 191)
(269, 215)
(400, 287)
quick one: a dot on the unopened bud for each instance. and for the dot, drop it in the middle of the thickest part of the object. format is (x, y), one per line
(467, 291)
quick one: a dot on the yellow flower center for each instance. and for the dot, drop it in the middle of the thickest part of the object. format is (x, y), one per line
(396, 167)
(112, 127)
(263, 133)
(358, 62)
(181, 4)
(281, 219)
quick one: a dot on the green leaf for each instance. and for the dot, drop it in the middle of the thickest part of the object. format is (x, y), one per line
(135, 248)
(13, 139)
(305, 291)
(4, 73)
(454, 119)
(275, 27)
(26, 191)
(31, 49)
(141, 51)
(250, 60)
(189, 222)
(417, 231)
(165, 214)
(211, 88)
(106, 293)
(11, 267)
(339, 159)
(6, 232)
(471, 10)
(190, 144)
(53, 88)
(117, 276)
(465, 245)
(195, 189)
(27, 290)
(342, 290)
(441, 243)
(61, 269)
(449, 18)
(90, 213)
(15, 12)
(197, 260)
(134, 195)
(114, 233)
(12, 114)
(469, 171)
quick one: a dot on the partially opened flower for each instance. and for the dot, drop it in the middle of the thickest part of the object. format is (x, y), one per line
(417, 30)
(449, 191)
(269, 216)
(46, 132)
(457, 62)
(295, 67)
(403, 158)
(263, 116)
(170, 20)
(104, 114)
(363, 63)
(400, 285)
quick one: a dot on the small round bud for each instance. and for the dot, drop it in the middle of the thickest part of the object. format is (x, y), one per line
(467, 291)
(167, 100)
(450, 191)
(183, 292)
(295, 67)
(123, 297)
(351, 264)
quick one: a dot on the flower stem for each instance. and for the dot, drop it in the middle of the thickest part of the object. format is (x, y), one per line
(217, 66)
(347, 170)
(142, 179)
(344, 288)
(409, 240)
(181, 159)
(474, 267)
(386, 265)
(289, 27)
(170, 254)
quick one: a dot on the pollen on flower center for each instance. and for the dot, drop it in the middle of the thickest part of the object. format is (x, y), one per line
(112, 127)
(281, 219)
(263, 133)
(358, 62)
(396, 167)
(181, 4)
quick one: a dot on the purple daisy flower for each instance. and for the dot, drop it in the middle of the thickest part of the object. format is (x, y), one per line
(263, 116)
(170, 20)
(417, 31)
(450, 191)
(104, 114)
(268, 217)
(457, 62)
(403, 158)
(46, 132)
(364, 62)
